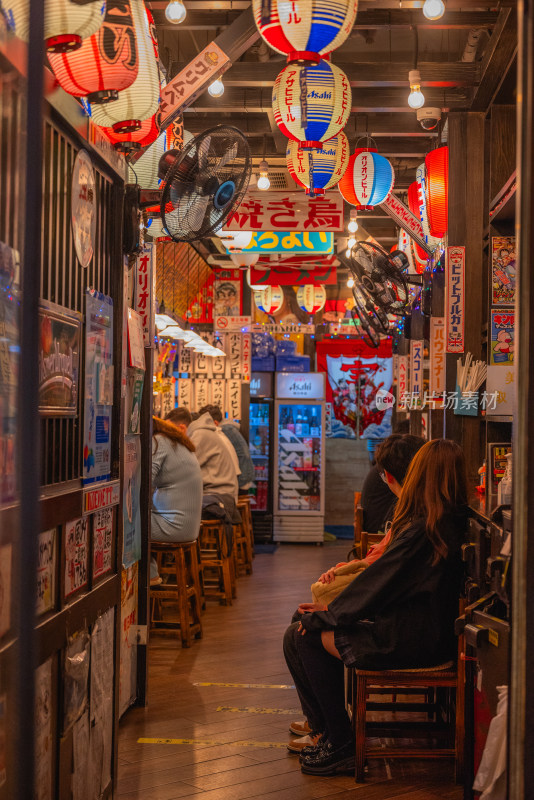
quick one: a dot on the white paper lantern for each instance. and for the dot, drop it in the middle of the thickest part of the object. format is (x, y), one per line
(66, 22)
(311, 298)
(140, 101)
(256, 287)
(242, 260)
(318, 170)
(145, 170)
(237, 240)
(270, 300)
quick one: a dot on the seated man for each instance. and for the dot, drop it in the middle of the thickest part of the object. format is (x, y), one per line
(393, 458)
(216, 415)
(231, 430)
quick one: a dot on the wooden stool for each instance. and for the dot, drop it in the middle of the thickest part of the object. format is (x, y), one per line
(364, 683)
(182, 564)
(242, 543)
(243, 506)
(217, 564)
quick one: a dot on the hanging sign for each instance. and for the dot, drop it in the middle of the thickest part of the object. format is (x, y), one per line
(102, 497)
(224, 323)
(416, 372)
(202, 387)
(402, 385)
(185, 392)
(233, 355)
(281, 327)
(83, 207)
(291, 242)
(145, 275)
(454, 299)
(246, 357)
(218, 393)
(287, 211)
(282, 276)
(402, 215)
(184, 89)
(309, 386)
(185, 359)
(233, 399)
(436, 385)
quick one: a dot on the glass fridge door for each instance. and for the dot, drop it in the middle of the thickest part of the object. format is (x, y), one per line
(299, 457)
(259, 451)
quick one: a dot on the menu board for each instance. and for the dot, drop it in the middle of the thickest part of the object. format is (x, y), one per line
(102, 541)
(76, 555)
(46, 571)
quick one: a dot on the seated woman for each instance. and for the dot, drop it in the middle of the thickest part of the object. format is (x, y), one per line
(176, 486)
(398, 614)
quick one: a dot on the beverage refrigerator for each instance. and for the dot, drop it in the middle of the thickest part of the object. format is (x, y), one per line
(299, 485)
(261, 444)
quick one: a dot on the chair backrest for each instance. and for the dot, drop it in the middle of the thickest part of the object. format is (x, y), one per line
(358, 523)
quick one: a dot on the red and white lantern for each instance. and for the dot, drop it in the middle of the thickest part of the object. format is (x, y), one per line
(269, 300)
(311, 298)
(368, 179)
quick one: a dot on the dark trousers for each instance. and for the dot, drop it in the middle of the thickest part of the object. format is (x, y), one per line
(319, 680)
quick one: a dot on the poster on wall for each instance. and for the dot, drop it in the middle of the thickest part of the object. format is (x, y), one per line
(454, 299)
(502, 336)
(500, 390)
(76, 555)
(131, 499)
(227, 293)
(134, 395)
(98, 399)
(46, 571)
(102, 541)
(503, 270)
(128, 643)
(44, 749)
(59, 360)
(9, 369)
(136, 351)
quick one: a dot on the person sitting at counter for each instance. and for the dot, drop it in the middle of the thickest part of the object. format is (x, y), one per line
(398, 614)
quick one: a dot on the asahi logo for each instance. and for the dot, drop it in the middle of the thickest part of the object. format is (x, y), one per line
(302, 386)
(56, 365)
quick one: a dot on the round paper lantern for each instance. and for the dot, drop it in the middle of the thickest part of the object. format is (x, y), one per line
(134, 140)
(437, 191)
(236, 240)
(106, 63)
(270, 300)
(140, 101)
(66, 22)
(244, 259)
(144, 172)
(368, 179)
(303, 27)
(311, 102)
(318, 170)
(311, 298)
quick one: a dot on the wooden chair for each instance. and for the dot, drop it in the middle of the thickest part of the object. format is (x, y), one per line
(243, 506)
(368, 539)
(424, 681)
(218, 565)
(178, 561)
(358, 525)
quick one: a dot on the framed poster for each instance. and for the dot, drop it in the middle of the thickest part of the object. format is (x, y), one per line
(98, 399)
(227, 293)
(46, 571)
(502, 336)
(76, 555)
(503, 270)
(59, 360)
(102, 542)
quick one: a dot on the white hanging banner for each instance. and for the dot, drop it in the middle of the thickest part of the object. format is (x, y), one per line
(218, 393)
(402, 385)
(185, 359)
(233, 355)
(416, 372)
(218, 363)
(233, 399)
(202, 397)
(455, 299)
(185, 392)
(436, 384)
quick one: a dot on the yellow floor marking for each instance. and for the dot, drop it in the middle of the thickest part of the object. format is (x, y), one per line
(254, 710)
(211, 742)
(248, 685)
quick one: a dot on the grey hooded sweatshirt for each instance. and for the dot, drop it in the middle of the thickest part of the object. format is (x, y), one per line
(216, 465)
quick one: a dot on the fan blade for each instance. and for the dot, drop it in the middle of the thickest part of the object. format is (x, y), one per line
(230, 154)
(198, 212)
(203, 150)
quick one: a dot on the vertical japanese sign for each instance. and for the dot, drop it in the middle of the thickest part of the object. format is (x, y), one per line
(46, 571)
(436, 386)
(131, 498)
(402, 386)
(185, 392)
(144, 291)
(454, 299)
(202, 388)
(233, 355)
(246, 357)
(185, 359)
(44, 749)
(233, 402)
(76, 555)
(218, 393)
(416, 372)
(218, 363)
(98, 398)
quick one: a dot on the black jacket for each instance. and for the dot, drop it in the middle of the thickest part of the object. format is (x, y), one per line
(400, 612)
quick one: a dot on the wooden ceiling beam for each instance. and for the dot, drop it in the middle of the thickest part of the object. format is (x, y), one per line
(498, 58)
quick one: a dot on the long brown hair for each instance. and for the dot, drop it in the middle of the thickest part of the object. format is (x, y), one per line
(173, 433)
(435, 484)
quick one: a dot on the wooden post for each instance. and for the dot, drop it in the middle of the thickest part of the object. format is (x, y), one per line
(466, 228)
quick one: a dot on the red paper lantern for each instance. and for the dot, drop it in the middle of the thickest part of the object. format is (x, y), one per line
(437, 191)
(134, 140)
(107, 61)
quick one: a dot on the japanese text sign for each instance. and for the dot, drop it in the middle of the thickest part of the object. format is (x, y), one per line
(218, 393)
(454, 299)
(76, 554)
(402, 382)
(416, 369)
(233, 399)
(291, 242)
(185, 392)
(144, 292)
(402, 215)
(225, 323)
(190, 83)
(281, 276)
(437, 357)
(287, 211)
(246, 357)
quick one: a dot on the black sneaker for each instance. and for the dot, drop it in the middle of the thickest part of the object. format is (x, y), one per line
(329, 760)
(313, 748)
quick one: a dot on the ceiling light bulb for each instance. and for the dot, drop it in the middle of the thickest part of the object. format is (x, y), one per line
(348, 252)
(263, 181)
(350, 283)
(351, 242)
(175, 12)
(416, 98)
(352, 227)
(216, 89)
(433, 9)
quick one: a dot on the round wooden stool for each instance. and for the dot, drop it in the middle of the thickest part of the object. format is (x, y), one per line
(179, 568)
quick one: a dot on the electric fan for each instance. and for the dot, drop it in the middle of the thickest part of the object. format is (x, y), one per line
(379, 274)
(204, 183)
(378, 319)
(369, 335)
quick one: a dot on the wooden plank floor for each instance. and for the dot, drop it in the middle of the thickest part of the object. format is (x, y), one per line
(235, 736)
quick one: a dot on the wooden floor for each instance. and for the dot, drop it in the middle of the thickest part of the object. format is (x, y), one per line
(233, 737)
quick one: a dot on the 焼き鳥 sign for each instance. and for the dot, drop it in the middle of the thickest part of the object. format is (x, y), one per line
(287, 211)
(454, 299)
(291, 242)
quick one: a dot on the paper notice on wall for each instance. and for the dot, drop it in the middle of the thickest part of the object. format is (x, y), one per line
(246, 357)
(185, 392)
(101, 711)
(44, 749)
(218, 393)
(82, 779)
(218, 363)
(185, 359)
(233, 399)
(128, 644)
(202, 387)
(499, 397)
(76, 554)
(102, 541)
(233, 355)
(46, 571)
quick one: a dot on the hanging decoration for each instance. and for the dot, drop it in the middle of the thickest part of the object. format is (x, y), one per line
(269, 300)
(106, 63)
(311, 298)
(66, 23)
(304, 29)
(318, 170)
(368, 179)
(311, 102)
(134, 140)
(242, 260)
(140, 101)
(437, 190)
(145, 170)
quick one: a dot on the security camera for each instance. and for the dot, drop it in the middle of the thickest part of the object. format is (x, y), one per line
(428, 118)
